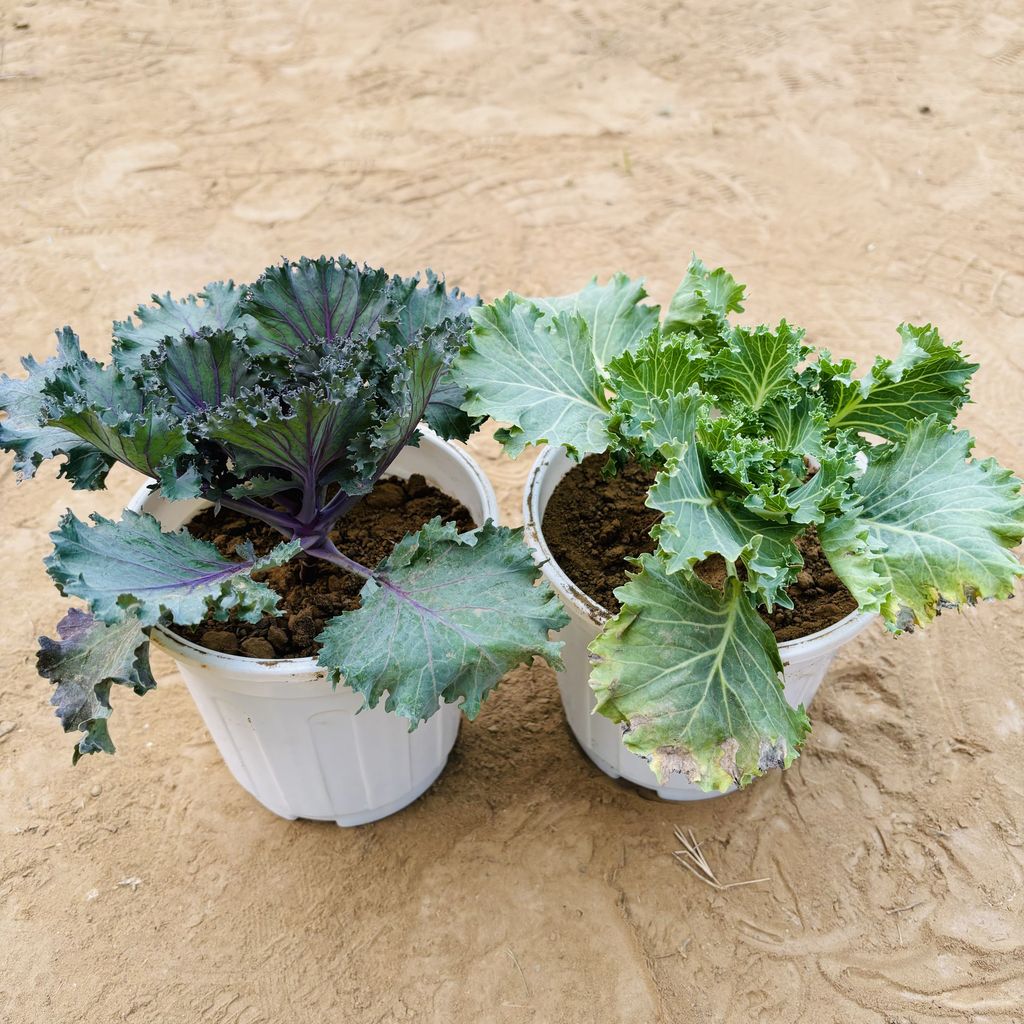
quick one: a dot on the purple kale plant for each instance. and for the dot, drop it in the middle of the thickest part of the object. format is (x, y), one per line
(285, 401)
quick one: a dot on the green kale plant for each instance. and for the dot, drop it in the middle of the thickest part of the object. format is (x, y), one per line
(286, 401)
(756, 438)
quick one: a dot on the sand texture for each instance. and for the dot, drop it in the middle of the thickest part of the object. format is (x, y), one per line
(856, 164)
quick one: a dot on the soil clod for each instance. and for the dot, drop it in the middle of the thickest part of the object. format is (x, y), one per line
(257, 647)
(222, 640)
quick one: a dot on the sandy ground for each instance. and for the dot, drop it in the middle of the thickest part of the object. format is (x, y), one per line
(856, 164)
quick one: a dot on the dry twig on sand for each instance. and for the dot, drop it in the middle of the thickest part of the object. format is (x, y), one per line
(526, 984)
(691, 858)
(901, 910)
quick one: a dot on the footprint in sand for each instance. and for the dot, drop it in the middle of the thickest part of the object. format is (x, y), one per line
(279, 200)
(111, 173)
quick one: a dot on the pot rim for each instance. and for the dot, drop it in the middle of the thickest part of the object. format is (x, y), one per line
(835, 634)
(277, 668)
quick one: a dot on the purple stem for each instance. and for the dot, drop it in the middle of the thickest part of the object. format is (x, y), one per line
(324, 548)
(309, 511)
(336, 508)
(342, 501)
(280, 521)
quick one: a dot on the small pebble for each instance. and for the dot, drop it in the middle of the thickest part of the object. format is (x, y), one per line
(222, 640)
(258, 647)
(96, 790)
(278, 637)
(304, 626)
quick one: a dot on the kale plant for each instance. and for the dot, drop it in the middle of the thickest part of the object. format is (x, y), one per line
(756, 438)
(285, 401)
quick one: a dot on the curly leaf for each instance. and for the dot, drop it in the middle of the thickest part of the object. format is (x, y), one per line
(306, 433)
(25, 430)
(847, 544)
(692, 674)
(172, 318)
(131, 568)
(179, 483)
(537, 373)
(83, 664)
(928, 378)
(82, 381)
(826, 494)
(444, 413)
(660, 366)
(299, 308)
(417, 309)
(417, 305)
(699, 521)
(443, 619)
(942, 526)
(86, 467)
(796, 426)
(756, 364)
(616, 319)
(704, 299)
(148, 443)
(202, 371)
(736, 454)
(421, 378)
(260, 487)
(116, 414)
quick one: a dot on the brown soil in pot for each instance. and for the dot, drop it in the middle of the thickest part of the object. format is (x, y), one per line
(312, 590)
(593, 523)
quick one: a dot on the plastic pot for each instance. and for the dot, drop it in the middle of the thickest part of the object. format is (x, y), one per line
(806, 660)
(292, 741)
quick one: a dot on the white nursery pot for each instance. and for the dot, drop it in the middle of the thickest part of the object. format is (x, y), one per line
(806, 660)
(290, 739)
